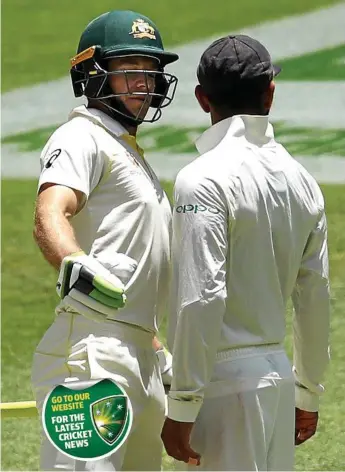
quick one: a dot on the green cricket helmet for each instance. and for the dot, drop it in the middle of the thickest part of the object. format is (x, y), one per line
(117, 34)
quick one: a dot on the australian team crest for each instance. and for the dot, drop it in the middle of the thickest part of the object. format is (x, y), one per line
(141, 29)
(87, 420)
(109, 417)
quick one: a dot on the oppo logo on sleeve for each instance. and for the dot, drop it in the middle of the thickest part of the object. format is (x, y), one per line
(189, 208)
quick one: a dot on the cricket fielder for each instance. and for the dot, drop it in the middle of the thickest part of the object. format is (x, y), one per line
(249, 232)
(103, 220)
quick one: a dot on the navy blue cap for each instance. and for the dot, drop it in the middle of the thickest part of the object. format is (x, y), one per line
(232, 60)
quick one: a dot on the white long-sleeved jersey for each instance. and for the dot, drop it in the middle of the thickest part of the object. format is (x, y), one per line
(249, 232)
(125, 211)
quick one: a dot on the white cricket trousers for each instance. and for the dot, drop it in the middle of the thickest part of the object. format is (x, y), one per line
(75, 348)
(247, 422)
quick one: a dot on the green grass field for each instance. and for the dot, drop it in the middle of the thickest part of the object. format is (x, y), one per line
(38, 38)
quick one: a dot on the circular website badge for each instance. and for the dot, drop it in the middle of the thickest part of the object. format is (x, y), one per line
(87, 420)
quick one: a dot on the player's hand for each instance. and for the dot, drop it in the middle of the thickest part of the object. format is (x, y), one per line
(89, 288)
(165, 366)
(305, 425)
(176, 438)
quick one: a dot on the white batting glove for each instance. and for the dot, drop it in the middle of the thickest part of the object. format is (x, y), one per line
(165, 365)
(89, 288)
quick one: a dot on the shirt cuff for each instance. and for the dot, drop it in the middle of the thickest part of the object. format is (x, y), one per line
(182, 410)
(306, 400)
(46, 178)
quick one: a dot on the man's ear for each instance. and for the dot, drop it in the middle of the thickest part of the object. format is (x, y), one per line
(269, 96)
(202, 99)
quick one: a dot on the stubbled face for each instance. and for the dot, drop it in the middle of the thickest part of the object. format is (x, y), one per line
(132, 82)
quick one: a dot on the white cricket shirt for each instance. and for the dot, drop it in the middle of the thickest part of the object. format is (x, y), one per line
(125, 210)
(249, 232)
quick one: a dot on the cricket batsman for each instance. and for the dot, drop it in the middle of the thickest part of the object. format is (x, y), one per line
(249, 232)
(104, 222)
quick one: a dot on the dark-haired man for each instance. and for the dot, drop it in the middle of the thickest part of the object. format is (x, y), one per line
(249, 232)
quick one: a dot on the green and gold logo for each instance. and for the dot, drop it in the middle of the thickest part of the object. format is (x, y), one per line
(141, 29)
(87, 420)
(109, 417)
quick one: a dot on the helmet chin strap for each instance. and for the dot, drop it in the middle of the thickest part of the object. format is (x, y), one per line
(119, 111)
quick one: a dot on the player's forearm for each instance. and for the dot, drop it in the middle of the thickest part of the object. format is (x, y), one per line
(54, 235)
